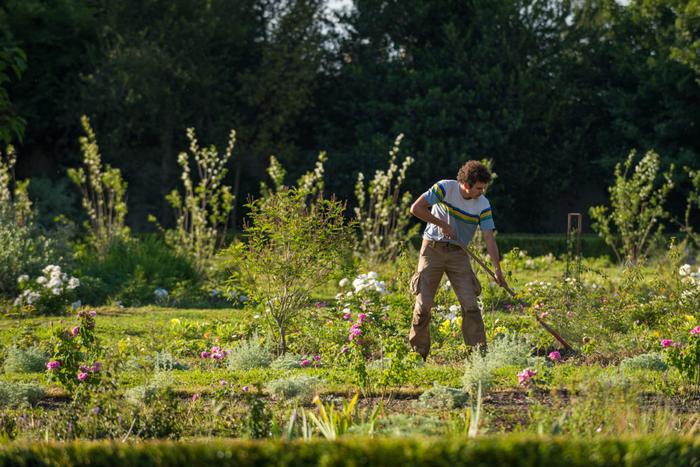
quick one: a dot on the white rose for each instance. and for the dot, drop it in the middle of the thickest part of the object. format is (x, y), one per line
(344, 282)
(684, 270)
(41, 280)
(372, 275)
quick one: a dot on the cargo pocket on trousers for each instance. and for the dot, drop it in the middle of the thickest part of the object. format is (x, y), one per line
(414, 285)
(477, 285)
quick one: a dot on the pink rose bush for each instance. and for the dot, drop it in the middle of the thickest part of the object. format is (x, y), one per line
(685, 357)
(75, 356)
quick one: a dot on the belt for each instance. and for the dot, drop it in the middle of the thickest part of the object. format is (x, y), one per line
(441, 244)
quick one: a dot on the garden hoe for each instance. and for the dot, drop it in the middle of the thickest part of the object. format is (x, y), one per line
(547, 327)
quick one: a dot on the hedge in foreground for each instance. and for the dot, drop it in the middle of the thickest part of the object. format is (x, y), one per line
(496, 451)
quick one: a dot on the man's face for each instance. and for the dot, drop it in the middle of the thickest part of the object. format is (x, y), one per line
(474, 191)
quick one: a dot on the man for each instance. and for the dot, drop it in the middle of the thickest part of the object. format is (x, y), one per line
(453, 210)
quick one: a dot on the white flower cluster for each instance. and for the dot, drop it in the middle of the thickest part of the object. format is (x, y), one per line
(688, 276)
(369, 281)
(52, 282)
(536, 284)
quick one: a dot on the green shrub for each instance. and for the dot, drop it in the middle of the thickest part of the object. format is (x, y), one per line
(25, 250)
(31, 360)
(647, 361)
(636, 207)
(15, 394)
(249, 354)
(648, 451)
(301, 387)
(442, 397)
(131, 271)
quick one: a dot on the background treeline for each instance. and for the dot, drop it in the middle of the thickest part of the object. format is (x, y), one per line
(555, 92)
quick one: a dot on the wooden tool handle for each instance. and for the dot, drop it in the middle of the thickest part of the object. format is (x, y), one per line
(510, 291)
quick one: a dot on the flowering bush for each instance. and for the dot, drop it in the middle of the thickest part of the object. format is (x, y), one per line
(685, 357)
(371, 333)
(76, 352)
(382, 210)
(369, 281)
(690, 293)
(50, 293)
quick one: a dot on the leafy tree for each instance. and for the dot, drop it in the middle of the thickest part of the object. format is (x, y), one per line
(637, 207)
(12, 62)
(462, 80)
(57, 37)
(292, 248)
(165, 66)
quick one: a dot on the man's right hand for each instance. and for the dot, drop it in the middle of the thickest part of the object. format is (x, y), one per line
(449, 232)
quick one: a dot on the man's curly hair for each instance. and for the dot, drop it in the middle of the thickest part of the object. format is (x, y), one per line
(472, 172)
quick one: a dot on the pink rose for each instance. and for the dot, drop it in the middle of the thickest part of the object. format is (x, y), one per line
(82, 376)
(74, 332)
(665, 343)
(53, 365)
(555, 356)
(305, 362)
(205, 354)
(695, 330)
(525, 376)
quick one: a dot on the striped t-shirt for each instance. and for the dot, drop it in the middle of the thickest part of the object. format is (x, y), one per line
(465, 215)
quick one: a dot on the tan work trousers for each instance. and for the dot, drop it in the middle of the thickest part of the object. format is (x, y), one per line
(437, 258)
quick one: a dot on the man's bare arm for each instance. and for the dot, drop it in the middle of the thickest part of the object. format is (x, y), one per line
(492, 248)
(421, 209)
